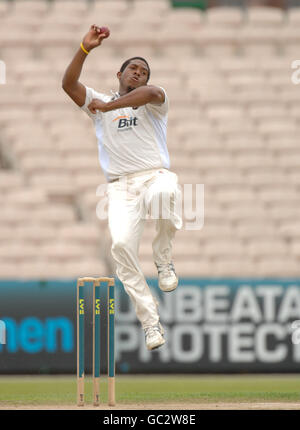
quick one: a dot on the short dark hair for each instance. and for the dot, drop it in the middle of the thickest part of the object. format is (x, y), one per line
(125, 64)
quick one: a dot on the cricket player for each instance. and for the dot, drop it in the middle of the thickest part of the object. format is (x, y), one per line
(130, 127)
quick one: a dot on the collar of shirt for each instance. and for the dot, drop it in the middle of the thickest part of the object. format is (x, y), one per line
(115, 95)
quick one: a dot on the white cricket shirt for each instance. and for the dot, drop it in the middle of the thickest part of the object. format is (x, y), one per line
(130, 140)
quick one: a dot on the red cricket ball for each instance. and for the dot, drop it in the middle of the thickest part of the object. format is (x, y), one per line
(105, 30)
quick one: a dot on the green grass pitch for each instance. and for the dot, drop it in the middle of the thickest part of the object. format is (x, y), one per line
(60, 390)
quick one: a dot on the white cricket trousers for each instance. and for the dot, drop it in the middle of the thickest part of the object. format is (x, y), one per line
(154, 193)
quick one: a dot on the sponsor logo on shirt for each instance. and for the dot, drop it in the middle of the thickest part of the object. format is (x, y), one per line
(126, 122)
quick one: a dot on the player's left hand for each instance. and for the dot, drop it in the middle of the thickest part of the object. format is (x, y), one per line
(97, 104)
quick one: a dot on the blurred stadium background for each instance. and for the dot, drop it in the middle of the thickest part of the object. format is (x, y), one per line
(233, 126)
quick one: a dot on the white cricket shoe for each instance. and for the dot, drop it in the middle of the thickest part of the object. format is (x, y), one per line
(167, 279)
(154, 336)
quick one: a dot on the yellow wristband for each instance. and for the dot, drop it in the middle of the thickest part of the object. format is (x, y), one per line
(83, 48)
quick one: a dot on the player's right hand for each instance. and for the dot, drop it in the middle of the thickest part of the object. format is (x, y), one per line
(93, 38)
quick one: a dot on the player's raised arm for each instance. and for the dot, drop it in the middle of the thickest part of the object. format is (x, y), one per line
(70, 82)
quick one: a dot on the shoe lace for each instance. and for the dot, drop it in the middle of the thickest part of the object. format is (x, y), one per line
(165, 269)
(149, 331)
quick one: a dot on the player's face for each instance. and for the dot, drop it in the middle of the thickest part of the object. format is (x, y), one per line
(135, 74)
